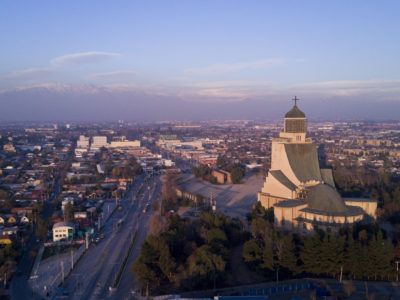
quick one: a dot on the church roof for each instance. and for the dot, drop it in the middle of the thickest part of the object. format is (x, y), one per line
(351, 211)
(303, 160)
(327, 176)
(324, 198)
(278, 174)
(295, 112)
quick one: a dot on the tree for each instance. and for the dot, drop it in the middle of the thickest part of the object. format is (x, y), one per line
(333, 254)
(42, 228)
(384, 256)
(127, 172)
(310, 254)
(169, 191)
(373, 251)
(205, 264)
(68, 212)
(237, 174)
(252, 253)
(288, 259)
(268, 256)
(146, 267)
(351, 257)
(222, 162)
(216, 236)
(3, 195)
(9, 204)
(166, 262)
(108, 167)
(158, 225)
(116, 172)
(261, 228)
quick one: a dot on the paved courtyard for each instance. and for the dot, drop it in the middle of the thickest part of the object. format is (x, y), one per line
(232, 199)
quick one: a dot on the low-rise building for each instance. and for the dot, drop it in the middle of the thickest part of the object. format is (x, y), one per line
(63, 231)
(80, 215)
(222, 176)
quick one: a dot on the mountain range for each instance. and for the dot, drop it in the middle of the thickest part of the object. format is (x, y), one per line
(58, 102)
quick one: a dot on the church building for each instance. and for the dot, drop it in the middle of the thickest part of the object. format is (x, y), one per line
(302, 194)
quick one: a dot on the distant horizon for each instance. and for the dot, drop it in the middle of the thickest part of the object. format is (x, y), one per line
(60, 59)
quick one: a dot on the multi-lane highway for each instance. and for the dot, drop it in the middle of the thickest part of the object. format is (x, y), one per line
(96, 271)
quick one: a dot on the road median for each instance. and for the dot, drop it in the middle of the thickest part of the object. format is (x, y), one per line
(123, 265)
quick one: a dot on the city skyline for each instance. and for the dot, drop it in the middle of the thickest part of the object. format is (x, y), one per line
(208, 52)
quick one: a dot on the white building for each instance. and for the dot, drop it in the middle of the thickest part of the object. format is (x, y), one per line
(80, 215)
(124, 144)
(63, 231)
(99, 141)
(168, 163)
(83, 142)
(100, 168)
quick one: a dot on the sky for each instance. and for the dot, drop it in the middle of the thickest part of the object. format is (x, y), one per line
(202, 51)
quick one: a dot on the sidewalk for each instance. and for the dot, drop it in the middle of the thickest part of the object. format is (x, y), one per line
(36, 265)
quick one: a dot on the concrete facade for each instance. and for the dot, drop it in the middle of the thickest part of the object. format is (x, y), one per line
(304, 196)
(63, 231)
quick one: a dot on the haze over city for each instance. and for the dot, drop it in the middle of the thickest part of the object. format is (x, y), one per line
(187, 60)
(203, 150)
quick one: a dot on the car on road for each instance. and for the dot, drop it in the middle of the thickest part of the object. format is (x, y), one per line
(145, 208)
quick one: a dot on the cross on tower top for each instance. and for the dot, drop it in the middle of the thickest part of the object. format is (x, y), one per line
(295, 99)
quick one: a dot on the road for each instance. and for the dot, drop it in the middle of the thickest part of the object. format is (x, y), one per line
(126, 284)
(98, 268)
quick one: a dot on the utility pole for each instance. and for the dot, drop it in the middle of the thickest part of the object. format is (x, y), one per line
(397, 269)
(72, 260)
(98, 223)
(62, 272)
(277, 274)
(87, 240)
(341, 273)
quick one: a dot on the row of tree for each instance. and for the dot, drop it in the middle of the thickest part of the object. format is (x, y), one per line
(357, 253)
(186, 254)
(182, 254)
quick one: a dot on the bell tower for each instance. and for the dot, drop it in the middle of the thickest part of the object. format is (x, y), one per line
(295, 124)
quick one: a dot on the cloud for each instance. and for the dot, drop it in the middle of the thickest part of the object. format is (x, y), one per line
(115, 75)
(350, 87)
(82, 58)
(227, 68)
(30, 74)
(235, 90)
